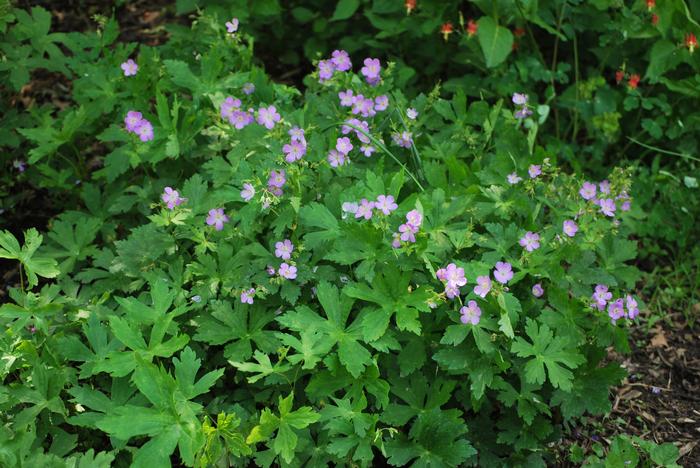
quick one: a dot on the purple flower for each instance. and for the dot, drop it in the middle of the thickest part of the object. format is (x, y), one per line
(531, 241)
(483, 286)
(132, 120)
(570, 228)
(632, 307)
(367, 150)
(604, 186)
(240, 119)
(270, 270)
(381, 103)
(414, 218)
(297, 134)
(365, 209)
(172, 198)
(363, 106)
(248, 192)
(341, 60)
(277, 178)
(655, 390)
(346, 98)
(601, 296)
(607, 206)
(503, 272)
(411, 113)
(232, 26)
(519, 99)
(336, 158)
(513, 178)
(371, 70)
(403, 139)
(284, 249)
(349, 207)
(130, 68)
(588, 191)
(537, 290)
(408, 232)
(217, 218)
(229, 105)
(523, 113)
(385, 204)
(294, 151)
(268, 116)
(452, 275)
(343, 145)
(145, 131)
(287, 271)
(616, 310)
(247, 296)
(471, 313)
(396, 241)
(325, 70)
(248, 88)
(534, 170)
(20, 165)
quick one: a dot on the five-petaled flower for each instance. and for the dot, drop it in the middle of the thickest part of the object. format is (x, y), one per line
(267, 116)
(534, 170)
(129, 67)
(247, 296)
(513, 178)
(287, 271)
(172, 198)
(607, 206)
(217, 218)
(601, 296)
(385, 204)
(530, 241)
(343, 145)
(364, 210)
(341, 60)
(616, 310)
(232, 26)
(537, 290)
(248, 192)
(471, 313)
(411, 113)
(293, 151)
(503, 272)
(283, 249)
(453, 278)
(483, 286)
(371, 70)
(570, 228)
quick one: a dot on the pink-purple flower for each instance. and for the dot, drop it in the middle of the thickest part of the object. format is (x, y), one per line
(530, 241)
(537, 290)
(283, 249)
(287, 271)
(297, 134)
(346, 98)
(217, 218)
(411, 113)
(471, 313)
(616, 310)
(403, 139)
(570, 228)
(336, 158)
(341, 60)
(601, 296)
(325, 70)
(343, 145)
(277, 178)
(534, 170)
(381, 103)
(513, 178)
(248, 88)
(503, 272)
(367, 150)
(371, 70)
(607, 206)
(385, 204)
(268, 116)
(483, 286)
(247, 296)
(232, 26)
(453, 278)
(364, 210)
(588, 191)
(519, 99)
(240, 119)
(632, 307)
(172, 198)
(604, 186)
(132, 120)
(248, 192)
(294, 151)
(129, 67)
(145, 131)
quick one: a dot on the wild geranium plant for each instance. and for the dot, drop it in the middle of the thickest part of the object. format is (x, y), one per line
(342, 278)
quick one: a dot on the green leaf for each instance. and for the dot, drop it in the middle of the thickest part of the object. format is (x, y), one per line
(496, 41)
(344, 9)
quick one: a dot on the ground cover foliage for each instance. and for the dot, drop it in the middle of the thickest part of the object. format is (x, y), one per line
(237, 271)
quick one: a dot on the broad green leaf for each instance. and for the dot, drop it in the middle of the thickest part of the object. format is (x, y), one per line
(496, 41)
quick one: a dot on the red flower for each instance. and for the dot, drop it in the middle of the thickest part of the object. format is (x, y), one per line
(472, 28)
(633, 81)
(519, 32)
(410, 6)
(691, 42)
(446, 30)
(651, 4)
(619, 76)
(654, 19)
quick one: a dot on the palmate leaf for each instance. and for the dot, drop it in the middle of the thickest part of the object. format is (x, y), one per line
(34, 265)
(547, 351)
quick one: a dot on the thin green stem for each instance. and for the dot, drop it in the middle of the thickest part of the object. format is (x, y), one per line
(663, 151)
